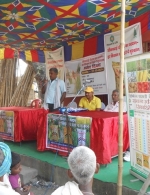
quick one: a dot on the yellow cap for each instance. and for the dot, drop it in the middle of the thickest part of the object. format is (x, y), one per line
(89, 89)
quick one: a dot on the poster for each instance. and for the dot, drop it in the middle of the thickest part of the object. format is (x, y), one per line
(133, 46)
(89, 70)
(55, 59)
(61, 138)
(137, 77)
(7, 125)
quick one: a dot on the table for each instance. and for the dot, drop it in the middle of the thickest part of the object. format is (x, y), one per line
(25, 122)
(104, 134)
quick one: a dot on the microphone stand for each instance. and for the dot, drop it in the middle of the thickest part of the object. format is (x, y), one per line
(77, 94)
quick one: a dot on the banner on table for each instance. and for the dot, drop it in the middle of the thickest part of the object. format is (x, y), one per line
(7, 125)
(137, 77)
(133, 46)
(61, 138)
(91, 68)
(55, 59)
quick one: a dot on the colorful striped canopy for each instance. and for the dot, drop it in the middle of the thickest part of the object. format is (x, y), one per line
(49, 24)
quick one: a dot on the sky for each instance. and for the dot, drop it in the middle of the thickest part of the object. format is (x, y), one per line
(21, 67)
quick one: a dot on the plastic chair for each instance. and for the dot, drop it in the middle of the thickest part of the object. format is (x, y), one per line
(102, 106)
(72, 105)
(36, 103)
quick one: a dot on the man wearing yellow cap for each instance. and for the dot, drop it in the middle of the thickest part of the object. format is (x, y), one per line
(90, 102)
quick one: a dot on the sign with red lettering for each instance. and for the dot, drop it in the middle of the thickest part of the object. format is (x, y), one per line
(55, 59)
(133, 46)
(137, 78)
(89, 70)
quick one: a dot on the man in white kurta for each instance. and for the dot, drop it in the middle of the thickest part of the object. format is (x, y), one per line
(114, 105)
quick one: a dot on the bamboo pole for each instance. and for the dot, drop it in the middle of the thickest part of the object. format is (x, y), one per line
(120, 140)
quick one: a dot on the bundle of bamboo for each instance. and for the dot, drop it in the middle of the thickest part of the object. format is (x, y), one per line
(21, 94)
(8, 82)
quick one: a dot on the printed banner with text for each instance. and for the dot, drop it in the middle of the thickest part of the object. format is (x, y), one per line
(55, 59)
(133, 46)
(61, 138)
(7, 125)
(137, 77)
(90, 69)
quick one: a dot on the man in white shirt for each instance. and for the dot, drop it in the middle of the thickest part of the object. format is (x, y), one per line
(114, 105)
(55, 91)
(5, 163)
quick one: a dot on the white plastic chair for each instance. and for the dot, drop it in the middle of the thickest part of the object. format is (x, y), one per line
(102, 106)
(72, 105)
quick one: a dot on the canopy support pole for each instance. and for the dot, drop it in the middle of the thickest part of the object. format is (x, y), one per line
(120, 138)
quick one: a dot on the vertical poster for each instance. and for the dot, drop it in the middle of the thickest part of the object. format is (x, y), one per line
(7, 125)
(133, 46)
(66, 132)
(137, 77)
(55, 59)
(89, 70)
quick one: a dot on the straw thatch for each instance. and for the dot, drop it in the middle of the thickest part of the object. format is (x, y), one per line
(21, 94)
(7, 80)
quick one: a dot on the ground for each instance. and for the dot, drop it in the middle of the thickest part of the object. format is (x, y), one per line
(42, 187)
(41, 191)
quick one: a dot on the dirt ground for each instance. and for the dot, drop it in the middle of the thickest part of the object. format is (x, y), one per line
(41, 191)
(42, 187)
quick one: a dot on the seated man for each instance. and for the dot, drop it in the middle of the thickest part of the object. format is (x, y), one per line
(5, 163)
(114, 105)
(90, 102)
(82, 164)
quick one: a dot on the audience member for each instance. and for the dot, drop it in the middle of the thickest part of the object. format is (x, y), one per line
(82, 164)
(5, 163)
(14, 177)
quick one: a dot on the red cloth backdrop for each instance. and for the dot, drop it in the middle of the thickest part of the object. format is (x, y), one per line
(104, 134)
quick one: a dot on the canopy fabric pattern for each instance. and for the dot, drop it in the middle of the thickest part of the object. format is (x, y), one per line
(28, 24)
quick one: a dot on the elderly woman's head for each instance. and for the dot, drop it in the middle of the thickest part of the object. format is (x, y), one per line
(82, 164)
(5, 159)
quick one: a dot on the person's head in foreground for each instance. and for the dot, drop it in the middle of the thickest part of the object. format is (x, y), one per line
(115, 96)
(83, 166)
(89, 93)
(16, 164)
(53, 72)
(5, 160)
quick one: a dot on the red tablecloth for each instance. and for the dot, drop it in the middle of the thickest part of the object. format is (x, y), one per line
(104, 134)
(25, 122)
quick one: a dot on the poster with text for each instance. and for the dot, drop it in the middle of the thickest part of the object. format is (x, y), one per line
(137, 77)
(66, 132)
(89, 70)
(133, 46)
(7, 125)
(55, 59)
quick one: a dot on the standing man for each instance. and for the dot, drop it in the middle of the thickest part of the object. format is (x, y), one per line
(114, 105)
(55, 91)
(90, 102)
